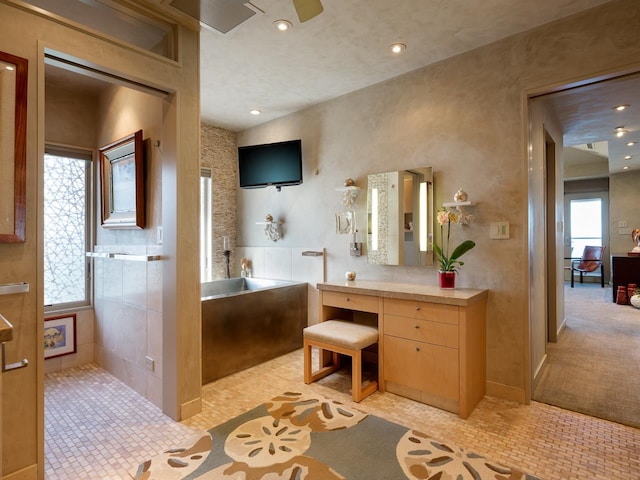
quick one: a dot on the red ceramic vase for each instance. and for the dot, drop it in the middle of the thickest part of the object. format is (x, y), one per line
(447, 279)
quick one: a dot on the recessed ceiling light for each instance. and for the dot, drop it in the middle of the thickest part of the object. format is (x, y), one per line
(628, 157)
(620, 131)
(619, 108)
(282, 25)
(9, 67)
(398, 48)
(625, 167)
(255, 111)
(631, 144)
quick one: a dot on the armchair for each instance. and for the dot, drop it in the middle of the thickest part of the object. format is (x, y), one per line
(590, 261)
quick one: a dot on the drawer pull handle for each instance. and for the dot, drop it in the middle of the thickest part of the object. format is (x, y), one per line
(417, 309)
(416, 326)
(347, 299)
(417, 349)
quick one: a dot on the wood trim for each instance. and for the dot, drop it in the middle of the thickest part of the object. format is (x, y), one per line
(20, 151)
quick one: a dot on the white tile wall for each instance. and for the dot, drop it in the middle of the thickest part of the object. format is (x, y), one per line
(128, 311)
(284, 263)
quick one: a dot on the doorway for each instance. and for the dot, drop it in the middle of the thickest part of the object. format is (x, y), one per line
(586, 117)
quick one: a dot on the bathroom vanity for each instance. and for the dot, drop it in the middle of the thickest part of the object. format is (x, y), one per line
(432, 342)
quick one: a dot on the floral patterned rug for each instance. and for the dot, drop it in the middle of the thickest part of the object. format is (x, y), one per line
(300, 437)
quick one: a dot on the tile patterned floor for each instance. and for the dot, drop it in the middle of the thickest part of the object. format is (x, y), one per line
(98, 428)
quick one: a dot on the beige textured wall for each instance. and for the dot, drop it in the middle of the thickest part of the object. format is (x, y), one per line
(70, 116)
(219, 153)
(467, 117)
(623, 206)
(26, 34)
(122, 111)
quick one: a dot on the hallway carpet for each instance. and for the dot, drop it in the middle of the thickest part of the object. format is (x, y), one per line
(593, 368)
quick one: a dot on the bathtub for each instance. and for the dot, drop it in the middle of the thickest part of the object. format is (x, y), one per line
(247, 321)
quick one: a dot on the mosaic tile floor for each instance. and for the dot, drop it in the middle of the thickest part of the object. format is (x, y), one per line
(98, 428)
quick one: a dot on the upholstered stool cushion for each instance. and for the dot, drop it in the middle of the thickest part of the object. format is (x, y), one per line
(352, 336)
(339, 337)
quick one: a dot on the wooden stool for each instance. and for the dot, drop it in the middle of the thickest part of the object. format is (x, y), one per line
(340, 337)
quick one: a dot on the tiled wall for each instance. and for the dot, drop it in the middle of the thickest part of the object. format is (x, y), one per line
(218, 152)
(84, 343)
(286, 263)
(128, 313)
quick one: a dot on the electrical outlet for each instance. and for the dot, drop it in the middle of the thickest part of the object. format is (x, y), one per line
(150, 363)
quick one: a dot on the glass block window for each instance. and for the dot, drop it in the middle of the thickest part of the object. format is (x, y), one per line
(67, 194)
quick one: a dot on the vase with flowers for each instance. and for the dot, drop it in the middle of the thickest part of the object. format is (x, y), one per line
(449, 262)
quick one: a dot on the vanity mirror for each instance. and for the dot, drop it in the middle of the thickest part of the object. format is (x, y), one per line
(400, 217)
(13, 153)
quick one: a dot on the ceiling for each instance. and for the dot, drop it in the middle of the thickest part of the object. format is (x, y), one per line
(346, 48)
(589, 121)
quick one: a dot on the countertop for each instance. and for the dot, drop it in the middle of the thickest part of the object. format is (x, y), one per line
(408, 291)
(6, 330)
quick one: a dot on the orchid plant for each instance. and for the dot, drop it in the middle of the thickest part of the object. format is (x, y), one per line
(449, 262)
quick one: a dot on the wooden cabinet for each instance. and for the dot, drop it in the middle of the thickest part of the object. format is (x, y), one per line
(432, 345)
(435, 352)
(624, 270)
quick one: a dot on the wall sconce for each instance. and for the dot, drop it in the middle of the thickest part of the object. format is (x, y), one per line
(349, 192)
(271, 228)
(355, 249)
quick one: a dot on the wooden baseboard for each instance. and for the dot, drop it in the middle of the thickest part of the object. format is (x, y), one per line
(27, 473)
(191, 408)
(506, 392)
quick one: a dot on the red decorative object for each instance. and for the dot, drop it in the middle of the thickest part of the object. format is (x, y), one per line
(621, 298)
(631, 288)
(447, 279)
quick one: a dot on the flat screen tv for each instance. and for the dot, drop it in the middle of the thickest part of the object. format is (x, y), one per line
(278, 164)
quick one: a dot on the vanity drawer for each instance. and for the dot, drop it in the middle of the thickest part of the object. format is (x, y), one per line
(434, 312)
(432, 369)
(435, 333)
(351, 301)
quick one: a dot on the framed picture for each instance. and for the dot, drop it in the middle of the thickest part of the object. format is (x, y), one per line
(122, 183)
(345, 223)
(59, 336)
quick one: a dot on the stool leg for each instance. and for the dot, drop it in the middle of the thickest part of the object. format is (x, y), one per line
(356, 376)
(307, 363)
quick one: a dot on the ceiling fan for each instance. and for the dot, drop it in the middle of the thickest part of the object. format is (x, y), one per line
(307, 9)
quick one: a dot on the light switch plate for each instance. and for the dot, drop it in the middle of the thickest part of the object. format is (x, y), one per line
(499, 230)
(150, 363)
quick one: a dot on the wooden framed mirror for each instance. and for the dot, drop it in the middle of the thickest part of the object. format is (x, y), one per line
(122, 183)
(13, 148)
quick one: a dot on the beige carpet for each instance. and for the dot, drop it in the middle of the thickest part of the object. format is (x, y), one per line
(595, 366)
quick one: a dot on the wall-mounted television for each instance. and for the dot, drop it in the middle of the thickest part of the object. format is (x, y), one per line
(278, 164)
